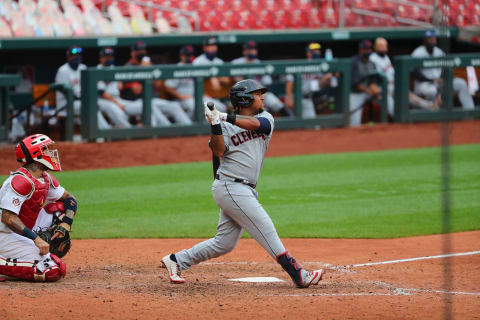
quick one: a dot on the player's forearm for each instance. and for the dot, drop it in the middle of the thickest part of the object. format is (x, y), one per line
(108, 97)
(70, 207)
(12, 221)
(173, 92)
(289, 88)
(217, 145)
(247, 123)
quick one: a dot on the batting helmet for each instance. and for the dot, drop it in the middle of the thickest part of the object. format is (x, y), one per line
(35, 148)
(241, 93)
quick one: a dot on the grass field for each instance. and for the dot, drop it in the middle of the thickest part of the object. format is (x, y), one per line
(379, 194)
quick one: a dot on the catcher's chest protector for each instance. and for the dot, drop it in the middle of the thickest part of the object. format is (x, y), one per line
(31, 207)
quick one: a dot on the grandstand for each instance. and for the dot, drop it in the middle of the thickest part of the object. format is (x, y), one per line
(35, 33)
(28, 18)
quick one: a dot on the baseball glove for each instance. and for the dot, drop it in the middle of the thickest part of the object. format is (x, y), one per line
(60, 245)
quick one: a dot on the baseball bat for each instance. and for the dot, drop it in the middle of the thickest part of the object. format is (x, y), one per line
(210, 105)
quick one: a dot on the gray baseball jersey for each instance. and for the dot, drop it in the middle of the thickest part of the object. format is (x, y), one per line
(245, 151)
(203, 60)
(183, 86)
(421, 52)
(266, 80)
(238, 202)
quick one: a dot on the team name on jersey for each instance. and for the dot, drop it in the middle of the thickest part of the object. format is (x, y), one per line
(245, 136)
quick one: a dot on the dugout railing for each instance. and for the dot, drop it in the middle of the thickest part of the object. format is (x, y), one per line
(146, 75)
(405, 65)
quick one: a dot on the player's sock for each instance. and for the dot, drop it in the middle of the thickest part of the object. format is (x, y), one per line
(292, 267)
(172, 257)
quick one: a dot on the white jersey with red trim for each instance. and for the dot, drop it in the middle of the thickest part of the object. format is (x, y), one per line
(12, 201)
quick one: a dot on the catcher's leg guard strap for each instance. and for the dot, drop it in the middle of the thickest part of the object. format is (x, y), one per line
(49, 270)
(291, 266)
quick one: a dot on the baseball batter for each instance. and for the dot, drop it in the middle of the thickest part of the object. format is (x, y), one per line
(23, 253)
(241, 141)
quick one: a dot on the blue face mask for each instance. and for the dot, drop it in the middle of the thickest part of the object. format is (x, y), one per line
(109, 62)
(210, 55)
(316, 56)
(74, 63)
(251, 56)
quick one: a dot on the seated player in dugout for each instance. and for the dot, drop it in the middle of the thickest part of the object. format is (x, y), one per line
(183, 89)
(24, 254)
(311, 83)
(240, 140)
(217, 85)
(272, 102)
(163, 110)
(70, 74)
(429, 82)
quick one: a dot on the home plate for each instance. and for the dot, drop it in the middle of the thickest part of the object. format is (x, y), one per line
(258, 279)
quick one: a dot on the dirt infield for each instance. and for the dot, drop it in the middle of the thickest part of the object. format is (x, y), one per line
(86, 156)
(121, 279)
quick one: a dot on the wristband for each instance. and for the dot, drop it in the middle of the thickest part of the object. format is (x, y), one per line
(231, 118)
(67, 220)
(27, 233)
(70, 204)
(216, 129)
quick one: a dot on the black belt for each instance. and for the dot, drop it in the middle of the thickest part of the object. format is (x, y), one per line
(251, 185)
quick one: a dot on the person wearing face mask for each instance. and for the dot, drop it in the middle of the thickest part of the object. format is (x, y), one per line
(381, 60)
(272, 103)
(69, 74)
(209, 57)
(109, 99)
(132, 91)
(364, 88)
(428, 82)
(183, 89)
(311, 83)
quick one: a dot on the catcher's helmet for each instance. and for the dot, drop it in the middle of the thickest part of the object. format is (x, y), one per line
(35, 148)
(241, 93)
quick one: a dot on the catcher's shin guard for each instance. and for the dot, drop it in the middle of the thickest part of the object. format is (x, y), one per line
(47, 270)
(292, 267)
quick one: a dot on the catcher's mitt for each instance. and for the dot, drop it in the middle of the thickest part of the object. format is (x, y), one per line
(60, 245)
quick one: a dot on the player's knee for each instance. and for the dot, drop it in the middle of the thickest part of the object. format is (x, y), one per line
(460, 84)
(223, 247)
(48, 270)
(430, 92)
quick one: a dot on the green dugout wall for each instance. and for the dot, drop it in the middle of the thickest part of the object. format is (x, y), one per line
(404, 65)
(91, 76)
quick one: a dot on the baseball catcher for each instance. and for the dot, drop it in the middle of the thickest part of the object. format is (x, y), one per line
(25, 254)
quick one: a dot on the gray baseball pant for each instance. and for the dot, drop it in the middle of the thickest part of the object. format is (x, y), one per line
(135, 108)
(172, 109)
(272, 103)
(114, 113)
(102, 122)
(429, 90)
(239, 209)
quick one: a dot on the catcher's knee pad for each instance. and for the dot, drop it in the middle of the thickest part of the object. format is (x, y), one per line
(292, 267)
(48, 270)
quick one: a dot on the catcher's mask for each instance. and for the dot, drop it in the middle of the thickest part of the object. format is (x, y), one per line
(241, 93)
(35, 148)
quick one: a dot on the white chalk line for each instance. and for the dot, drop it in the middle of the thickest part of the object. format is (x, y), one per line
(358, 265)
(346, 269)
(413, 259)
(394, 291)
